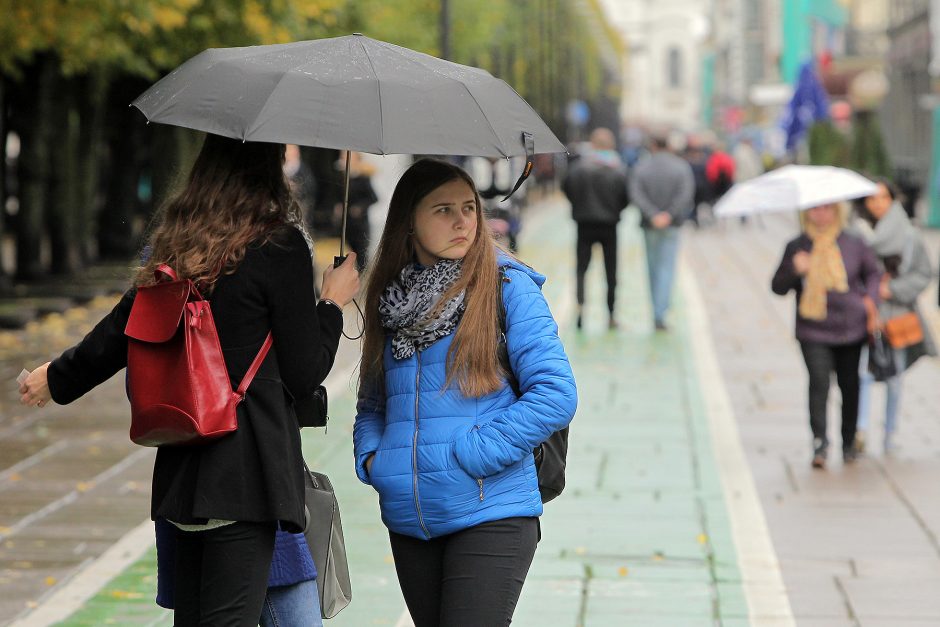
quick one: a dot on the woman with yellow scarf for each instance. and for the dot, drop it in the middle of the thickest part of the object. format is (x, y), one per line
(835, 276)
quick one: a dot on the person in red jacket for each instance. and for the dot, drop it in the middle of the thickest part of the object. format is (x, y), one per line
(719, 170)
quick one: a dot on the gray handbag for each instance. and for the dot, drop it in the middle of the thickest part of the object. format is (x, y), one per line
(324, 535)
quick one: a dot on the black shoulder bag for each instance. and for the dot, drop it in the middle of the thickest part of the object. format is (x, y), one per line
(551, 454)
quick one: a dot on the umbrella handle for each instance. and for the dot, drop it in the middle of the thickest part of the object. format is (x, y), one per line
(339, 259)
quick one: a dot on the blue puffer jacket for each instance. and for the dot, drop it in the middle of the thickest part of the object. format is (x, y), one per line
(445, 462)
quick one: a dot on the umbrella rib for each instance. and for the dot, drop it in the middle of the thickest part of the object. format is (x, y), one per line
(250, 127)
(467, 89)
(378, 88)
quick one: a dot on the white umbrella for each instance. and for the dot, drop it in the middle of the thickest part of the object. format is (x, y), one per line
(793, 187)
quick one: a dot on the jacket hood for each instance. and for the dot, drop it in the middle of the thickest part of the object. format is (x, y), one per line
(505, 261)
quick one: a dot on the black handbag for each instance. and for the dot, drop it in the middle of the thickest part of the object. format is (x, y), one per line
(881, 362)
(324, 535)
(311, 411)
(551, 455)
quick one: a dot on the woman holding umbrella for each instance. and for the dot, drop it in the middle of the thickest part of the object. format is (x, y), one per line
(440, 433)
(835, 277)
(234, 230)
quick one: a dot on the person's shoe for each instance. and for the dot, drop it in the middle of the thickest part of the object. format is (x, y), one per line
(660, 326)
(860, 442)
(819, 454)
(579, 322)
(890, 447)
(612, 324)
(849, 455)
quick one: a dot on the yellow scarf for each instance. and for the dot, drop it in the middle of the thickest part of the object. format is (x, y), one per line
(826, 271)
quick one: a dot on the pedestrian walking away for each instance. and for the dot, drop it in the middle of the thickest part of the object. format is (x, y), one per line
(907, 272)
(835, 277)
(439, 432)
(663, 188)
(236, 233)
(596, 187)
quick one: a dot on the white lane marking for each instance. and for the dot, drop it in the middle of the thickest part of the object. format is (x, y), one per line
(762, 580)
(33, 459)
(72, 496)
(88, 581)
(405, 620)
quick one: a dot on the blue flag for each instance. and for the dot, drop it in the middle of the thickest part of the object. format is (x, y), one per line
(809, 104)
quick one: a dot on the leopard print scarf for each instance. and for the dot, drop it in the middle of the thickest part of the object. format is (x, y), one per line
(407, 302)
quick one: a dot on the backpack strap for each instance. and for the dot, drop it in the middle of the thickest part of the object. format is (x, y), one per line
(253, 370)
(502, 349)
(164, 272)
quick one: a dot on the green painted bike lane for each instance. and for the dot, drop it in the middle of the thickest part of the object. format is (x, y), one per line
(641, 535)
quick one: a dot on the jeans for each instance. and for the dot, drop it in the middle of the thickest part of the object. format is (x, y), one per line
(471, 578)
(662, 247)
(605, 235)
(821, 360)
(222, 575)
(892, 389)
(292, 606)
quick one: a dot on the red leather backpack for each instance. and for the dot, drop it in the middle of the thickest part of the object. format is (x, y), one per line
(178, 384)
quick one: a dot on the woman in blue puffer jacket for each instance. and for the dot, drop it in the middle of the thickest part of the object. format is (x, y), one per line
(439, 432)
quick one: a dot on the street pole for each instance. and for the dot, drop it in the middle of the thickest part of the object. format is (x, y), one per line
(445, 29)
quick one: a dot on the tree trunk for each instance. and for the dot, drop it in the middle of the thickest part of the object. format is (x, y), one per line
(116, 225)
(90, 149)
(33, 122)
(173, 153)
(4, 129)
(64, 212)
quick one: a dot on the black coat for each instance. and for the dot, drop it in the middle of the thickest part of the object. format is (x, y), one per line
(597, 192)
(255, 473)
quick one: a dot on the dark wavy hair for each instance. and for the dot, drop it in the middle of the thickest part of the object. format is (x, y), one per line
(236, 193)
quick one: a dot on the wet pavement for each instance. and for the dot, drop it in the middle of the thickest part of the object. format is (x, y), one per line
(690, 500)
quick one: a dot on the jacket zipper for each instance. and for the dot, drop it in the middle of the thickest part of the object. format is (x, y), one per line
(480, 480)
(414, 449)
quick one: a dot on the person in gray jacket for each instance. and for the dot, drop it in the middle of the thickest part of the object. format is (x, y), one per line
(596, 187)
(907, 273)
(663, 189)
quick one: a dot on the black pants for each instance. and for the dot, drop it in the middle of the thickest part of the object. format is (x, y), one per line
(821, 360)
(605, 235)
(222, 575)
(472, 578)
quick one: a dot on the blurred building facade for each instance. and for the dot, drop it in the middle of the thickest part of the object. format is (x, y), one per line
(664, 41)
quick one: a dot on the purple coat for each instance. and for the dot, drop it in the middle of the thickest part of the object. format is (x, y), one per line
(846, 317)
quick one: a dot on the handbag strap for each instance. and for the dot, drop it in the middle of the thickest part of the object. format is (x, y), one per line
(253, 370)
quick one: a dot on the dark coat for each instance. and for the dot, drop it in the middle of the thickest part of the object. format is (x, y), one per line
(846, 318)
(597, 191)
(256, 473)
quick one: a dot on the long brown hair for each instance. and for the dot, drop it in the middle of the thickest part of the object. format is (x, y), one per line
(236, 193)
(471, 358)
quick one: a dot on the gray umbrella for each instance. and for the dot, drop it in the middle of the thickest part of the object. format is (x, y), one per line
(352, 93)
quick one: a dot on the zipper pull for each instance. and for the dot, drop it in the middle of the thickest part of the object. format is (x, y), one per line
(480, 483)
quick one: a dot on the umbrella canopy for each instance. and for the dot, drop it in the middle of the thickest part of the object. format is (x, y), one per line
(793, 187)
(348, 92)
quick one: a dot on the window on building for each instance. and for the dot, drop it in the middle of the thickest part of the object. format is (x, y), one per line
(674, 67)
